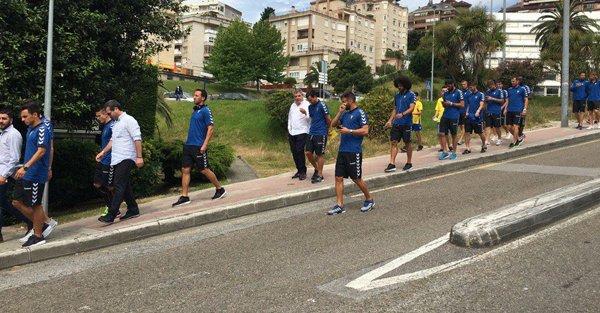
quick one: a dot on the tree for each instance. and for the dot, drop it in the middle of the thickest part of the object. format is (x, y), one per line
(532, 72)
(312, 77)
(397, 55)
(229, 58)
(267, 59)
(351, 73)
(414, 38)
(290, 81)
(420, 64)
(100, 52)
(267, 13)
(553, 21)
(386, 69)
(584, 53)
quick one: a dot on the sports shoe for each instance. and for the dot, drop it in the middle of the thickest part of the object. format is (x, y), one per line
(498, 142)
(419, 148)
(512, 145)
(181, 201)
(444, 155)
(27, 235)
(315, 174)
(441, 150)
(107, 219)
(367, 206)
(49, 227)
(390, 168)
(453, 156)
(105, 212)
(483, 149)
(296, 175)
(220, 193)
(317, 179)
(34, 241)
(131, 213)
(451, 149)
(407, 166)
(467, 151)
(336, 210)
(518, 143)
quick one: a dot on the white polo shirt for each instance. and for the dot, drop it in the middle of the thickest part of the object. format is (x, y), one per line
(125, 132)
(10, 150)
(298, 123)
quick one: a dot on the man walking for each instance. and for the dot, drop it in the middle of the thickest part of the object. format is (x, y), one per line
(524, 115)
(462, 120)
(195, 150)
(317, 134)
(593, 91)
(401, 122)
(298, 126)
(453, 102)
(352, 125)
(33, 175)
(103, 173)
(578, 88)
(10, 145)
(500, 86)
(474, 113)
(126, 152)
(516, 106)
(494, 99)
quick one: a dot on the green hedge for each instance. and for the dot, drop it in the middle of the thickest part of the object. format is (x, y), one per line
(378, 104)
(278, 106)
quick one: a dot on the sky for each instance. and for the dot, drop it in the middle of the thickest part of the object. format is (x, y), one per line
(251, 9)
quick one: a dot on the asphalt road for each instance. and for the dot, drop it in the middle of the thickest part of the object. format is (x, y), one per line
(297, 259)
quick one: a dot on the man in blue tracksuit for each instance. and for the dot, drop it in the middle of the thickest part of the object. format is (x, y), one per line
(579, 90)
(593, 92)
(515, 107)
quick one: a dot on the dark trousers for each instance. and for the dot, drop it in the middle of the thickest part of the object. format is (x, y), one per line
(122, 185)
(6, 206)
(297, 144)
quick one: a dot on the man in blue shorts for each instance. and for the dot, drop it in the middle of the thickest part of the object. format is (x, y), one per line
(401, 122)
(516, 106)
(453, 101)
(474, 114)
(316, 144)
(579, 90)
(494, 99)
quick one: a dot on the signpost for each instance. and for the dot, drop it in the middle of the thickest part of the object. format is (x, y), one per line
(323, 78)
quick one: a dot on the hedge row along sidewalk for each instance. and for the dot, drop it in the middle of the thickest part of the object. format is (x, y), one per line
(261, 195)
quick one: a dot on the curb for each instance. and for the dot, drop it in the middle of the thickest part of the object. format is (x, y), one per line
(172, 224)
(491, 228)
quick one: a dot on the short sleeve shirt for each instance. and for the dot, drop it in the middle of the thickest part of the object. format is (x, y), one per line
(579, 90)
(402, 102)
(354, 119)
(494, 107)
(516, 99)
(318, 122)
(39, 136)
(199, 122)
(594, 90)
(472, 103)
(452, 112)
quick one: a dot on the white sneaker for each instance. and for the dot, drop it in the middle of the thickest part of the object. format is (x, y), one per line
(51, 225)
(498, 142)
(24, 239)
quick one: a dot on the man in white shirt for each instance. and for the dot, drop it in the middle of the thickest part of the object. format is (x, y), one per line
(126, 152)
(10, 144)
(298, 126)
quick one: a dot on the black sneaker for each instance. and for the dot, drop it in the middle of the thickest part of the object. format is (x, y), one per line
(390, 168)
(297, 175)
(441, 150)
(34, 241)
(131, 213)
(483, 149)
(220, 193)
(107, 219)
(407, 166)
(518, 143)
(512, 145)
(315, 175)
(467, 151)
(181, 201)
(419, 148)
(317, 179)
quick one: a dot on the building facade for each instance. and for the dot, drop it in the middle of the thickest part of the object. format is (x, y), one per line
(425, 17)
(530, 6)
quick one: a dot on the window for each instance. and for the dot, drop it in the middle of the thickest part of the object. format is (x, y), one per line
(302, 33)
(294, 61)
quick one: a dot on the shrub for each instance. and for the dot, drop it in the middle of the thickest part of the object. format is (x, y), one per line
(378, 104)
(149, 178)
(290, 81)
(278, 106)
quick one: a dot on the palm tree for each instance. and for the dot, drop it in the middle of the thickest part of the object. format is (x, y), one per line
(553, 21)
(312, 77)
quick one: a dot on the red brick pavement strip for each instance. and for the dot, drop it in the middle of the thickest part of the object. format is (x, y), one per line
(267, 194)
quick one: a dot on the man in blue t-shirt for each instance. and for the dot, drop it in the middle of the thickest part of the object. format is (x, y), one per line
(102, 174)
(474, 112)
(33, 175)
(579, 90)
(317, 134)
(593, 92)
(353, 125)
(453, 101)
(195, 149)
(401, 122)
(494, 99)
(524, 115)
(515, 108)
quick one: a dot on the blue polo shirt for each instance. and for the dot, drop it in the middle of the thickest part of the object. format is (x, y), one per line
(579, 89)
(38, 136)
(452, 113)
(516, 99)
(527, 90)
(402, 102)
(472, 104)
(354, 119)
(199, 122)
(593, 90)
(318, 122)
(105, 139)
(494, 107)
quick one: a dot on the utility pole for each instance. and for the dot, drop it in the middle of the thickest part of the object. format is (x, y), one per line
(564, 90)
(504, 22)
(48, 84)
(432, 58)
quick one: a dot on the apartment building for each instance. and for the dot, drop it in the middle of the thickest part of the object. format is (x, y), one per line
(525, 6)
(425, 17)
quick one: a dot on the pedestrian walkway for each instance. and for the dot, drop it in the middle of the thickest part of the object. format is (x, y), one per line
(257, 189)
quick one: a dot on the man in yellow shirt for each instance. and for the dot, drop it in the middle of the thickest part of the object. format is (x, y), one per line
(416, 120)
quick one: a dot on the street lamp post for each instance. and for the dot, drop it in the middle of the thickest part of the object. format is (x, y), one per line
(48, 84)
(504, 26)
(432, 57)
(564, 90)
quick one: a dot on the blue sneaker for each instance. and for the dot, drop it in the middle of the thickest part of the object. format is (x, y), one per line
(444, 155)
(367, 206)
(453, 156)
(336, 210)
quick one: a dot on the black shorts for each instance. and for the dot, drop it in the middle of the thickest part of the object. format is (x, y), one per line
(593, 105)
(103, 175)
(193, 157)
(448, 126)
(401, 132)
(349, 165)
(578, 106)
(493, 120)
(30, 193)
(513, 118)
(473, 126)
(316, 144)
(462, 119)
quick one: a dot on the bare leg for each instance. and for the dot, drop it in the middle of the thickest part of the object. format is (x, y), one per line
(39, 217)
(320, 164)
(409, 153)
(185, 180)
(393, 151)
(454, 142)
(211, 177)
(443, 142)
(468, 141)
(25, 210)
(363, 187)
(311, 159)
(339, 190)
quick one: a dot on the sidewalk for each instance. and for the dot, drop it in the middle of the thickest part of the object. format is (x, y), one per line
(263, 194)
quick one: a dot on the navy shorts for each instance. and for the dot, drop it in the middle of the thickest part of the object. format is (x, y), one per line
(193, 158)
(316, 144)
(513, 118)
(400, 132)
(448, 126)
(349, 165)
(493, 120)
(28, 192)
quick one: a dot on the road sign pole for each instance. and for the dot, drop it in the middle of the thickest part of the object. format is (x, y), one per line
(48, 85)
(564, 90)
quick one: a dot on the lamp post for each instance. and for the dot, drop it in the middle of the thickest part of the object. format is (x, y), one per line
(432, 57)
(48, 84)
(504, 23)
(564, 90)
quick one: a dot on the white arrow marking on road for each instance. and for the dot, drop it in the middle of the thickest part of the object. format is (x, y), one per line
(369, 280)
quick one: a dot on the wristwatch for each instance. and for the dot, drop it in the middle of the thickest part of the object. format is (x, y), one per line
(351, 131)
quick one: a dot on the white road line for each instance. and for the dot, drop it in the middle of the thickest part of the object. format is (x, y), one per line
(369, 280)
